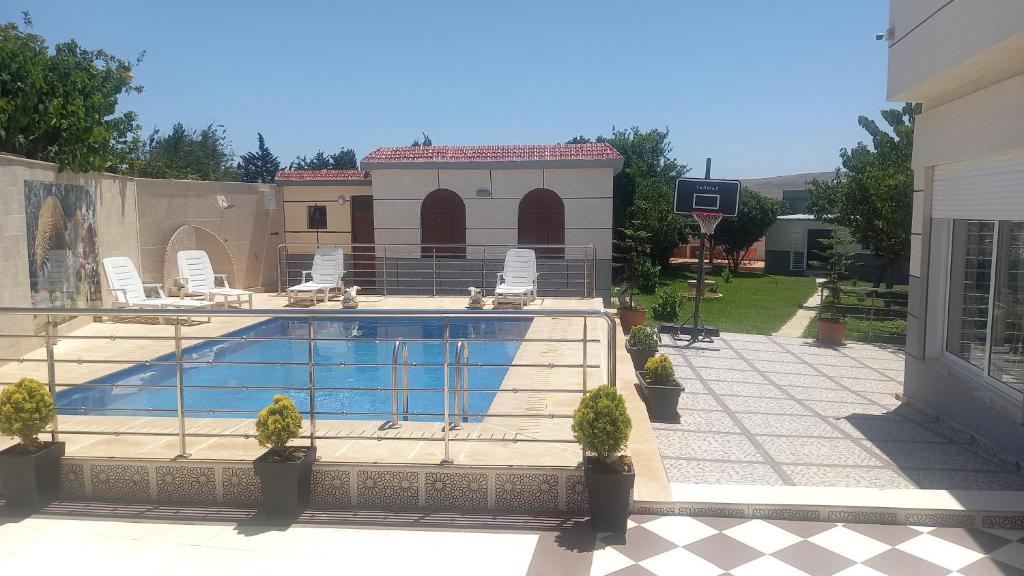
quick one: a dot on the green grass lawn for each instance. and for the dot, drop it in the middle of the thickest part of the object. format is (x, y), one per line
(752, 303)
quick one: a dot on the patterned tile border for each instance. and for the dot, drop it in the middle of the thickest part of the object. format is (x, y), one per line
(333, 485)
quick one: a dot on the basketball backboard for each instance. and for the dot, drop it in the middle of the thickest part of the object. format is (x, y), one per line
(706, 195)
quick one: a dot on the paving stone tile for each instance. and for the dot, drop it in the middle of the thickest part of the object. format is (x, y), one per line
(767, 346)
(731, 375)
(845, 409)
(706, 446)
(849, 372)
(964, 480)
(938, 551)
(804, 380)
(824, 394)
(990, 567)
(896, 375)
(767, 565)
(722, 524)
(735, 473)
(802, 529)
(849, 544)
(899, 562)
(813, 559)
(869, 385)
(932, 456)
(680, 530)
(641, 544)
(811, 349)
(816, 451)
(784, 367)
(723, 551)
(787, 425)
(885, 399)
(841, 476)
(769, 355)
(834, 360)
(891, 535)
(886, 365)
(744, 337)
(680, 561)
(701, 421)
(763, 536)
(695, 401)
(692, 385)
(763, 405)
(1012, 554)
(716, 362)
(634, 570)
(745, 389)
(972, 538)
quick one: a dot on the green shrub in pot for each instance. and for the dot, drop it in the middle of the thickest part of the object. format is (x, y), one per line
(601, 424)
(284, 471)
(642, 343)
(660, 371)
(29, 470)
(26, 409)
(278, 424)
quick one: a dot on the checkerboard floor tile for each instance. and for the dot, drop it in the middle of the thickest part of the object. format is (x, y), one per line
(661, 546)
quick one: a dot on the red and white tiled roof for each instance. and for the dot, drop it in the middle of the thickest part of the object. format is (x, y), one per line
(493, 153)
(315, 175)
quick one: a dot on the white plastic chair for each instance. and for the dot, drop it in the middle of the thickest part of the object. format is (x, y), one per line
(328, 269)
(518, 281)
(129, 291)
(196, 274)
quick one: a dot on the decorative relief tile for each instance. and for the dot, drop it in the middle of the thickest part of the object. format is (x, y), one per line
(240, 485)
(1008, 521)
(943, 520)
(186, 484)
(861, 517)
(525, 491)
(655, 510)
(387, 488)
(712, 512)
(72, 480)
(125, 482)
(455, 491)
(331, 487)
(786, 514)
(576, 498)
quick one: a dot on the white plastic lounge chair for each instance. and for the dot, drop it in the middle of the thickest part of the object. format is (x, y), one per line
(129, 291)
(198, 279)
(519, 279)
(328, 268)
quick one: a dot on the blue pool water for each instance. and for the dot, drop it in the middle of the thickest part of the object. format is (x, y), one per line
(367, 341)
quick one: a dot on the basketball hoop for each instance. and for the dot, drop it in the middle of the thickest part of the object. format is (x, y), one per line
(707, 221)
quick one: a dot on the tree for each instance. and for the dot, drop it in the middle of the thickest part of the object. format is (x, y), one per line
(652, 212)
(872, 194)
(425, 141)
(258, 166)
(187, 154)
(736, 235)
(343, 159)
(61, 107)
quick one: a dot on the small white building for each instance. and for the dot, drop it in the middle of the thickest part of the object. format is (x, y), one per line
(464, 205)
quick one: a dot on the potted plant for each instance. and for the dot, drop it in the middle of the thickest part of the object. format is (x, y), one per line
(284, 471)
(831, 318)
(601, 425)
(659, 386)
(30, 470)
(633, 260)
(642, 343)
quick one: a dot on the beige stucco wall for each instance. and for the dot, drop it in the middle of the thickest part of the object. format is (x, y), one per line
(339, 216)
(942, 51)
(586, 192)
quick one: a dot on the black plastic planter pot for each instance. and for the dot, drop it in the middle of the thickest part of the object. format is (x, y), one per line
(640, 356)
(661, 401)
(31, 481)
(608, 492)
(285, 485)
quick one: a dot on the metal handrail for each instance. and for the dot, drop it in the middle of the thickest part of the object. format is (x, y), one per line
(401, 349)
(582, 281)
(456, 394)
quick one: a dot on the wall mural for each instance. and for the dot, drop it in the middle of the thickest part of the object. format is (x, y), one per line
(62, 258)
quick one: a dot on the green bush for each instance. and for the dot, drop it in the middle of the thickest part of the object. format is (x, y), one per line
(26, 409)
(660, 371)
(643, 338)
(666, 308)
(647, 275)
(601, 423)
(277, 424)
(727, 276)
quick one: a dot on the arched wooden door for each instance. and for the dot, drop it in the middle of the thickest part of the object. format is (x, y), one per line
(542, 221)
(443, 221)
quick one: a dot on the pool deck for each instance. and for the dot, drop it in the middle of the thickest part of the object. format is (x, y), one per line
(495, 441)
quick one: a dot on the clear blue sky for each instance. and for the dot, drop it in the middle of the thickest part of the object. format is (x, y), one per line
(764, 87)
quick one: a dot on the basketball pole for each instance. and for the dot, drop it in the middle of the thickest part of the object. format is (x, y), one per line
(695, 335)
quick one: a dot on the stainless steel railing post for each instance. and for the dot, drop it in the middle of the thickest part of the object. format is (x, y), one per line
(384, 267)
(312, 382)
(179, 381)
(401, 349)
(447, 421)
(51, 377)
(610, 347)
(586, 270)
(433, 273)
(584, 353)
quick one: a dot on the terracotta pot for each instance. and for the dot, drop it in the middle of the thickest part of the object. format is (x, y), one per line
(831, 332)
(629, 317)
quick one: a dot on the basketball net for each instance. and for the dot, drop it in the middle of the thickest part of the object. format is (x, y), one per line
(707, 221)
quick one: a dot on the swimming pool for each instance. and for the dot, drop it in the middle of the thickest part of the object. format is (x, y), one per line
(366, 341)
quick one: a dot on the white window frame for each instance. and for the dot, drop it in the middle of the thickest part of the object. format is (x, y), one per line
(955, 363)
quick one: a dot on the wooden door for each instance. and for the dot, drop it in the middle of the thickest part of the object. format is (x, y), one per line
(542, 221)
(443, 221)
(364, 270)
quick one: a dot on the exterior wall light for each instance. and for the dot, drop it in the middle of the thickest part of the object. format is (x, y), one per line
(483, 193)
(342, 199)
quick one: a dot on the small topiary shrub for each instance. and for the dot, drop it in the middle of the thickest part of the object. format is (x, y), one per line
(660, 371)
(666, 308)
(601, 423)
(642, 338)
(26, 409)
(727, 276)
(277, 424)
